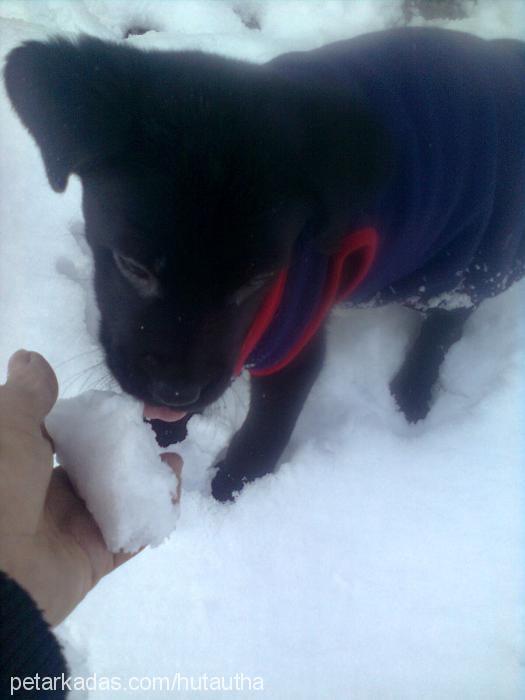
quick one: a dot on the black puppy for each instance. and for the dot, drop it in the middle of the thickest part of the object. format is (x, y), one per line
(230, 205)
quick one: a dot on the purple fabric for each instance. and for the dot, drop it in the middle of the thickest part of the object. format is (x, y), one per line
(451, 219)
(303, 292)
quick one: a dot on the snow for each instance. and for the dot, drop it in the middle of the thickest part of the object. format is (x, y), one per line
(110, 453)
(382, 560)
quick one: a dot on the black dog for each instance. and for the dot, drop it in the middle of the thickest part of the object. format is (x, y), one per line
(229, 205)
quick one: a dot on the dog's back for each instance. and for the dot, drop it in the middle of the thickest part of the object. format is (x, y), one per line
(452, 216)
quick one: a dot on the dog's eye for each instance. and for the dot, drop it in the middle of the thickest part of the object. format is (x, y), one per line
(141, 278)
(130, 267)
(253, 286)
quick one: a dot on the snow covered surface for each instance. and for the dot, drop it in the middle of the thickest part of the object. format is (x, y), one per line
(113, 460)
(383, 561)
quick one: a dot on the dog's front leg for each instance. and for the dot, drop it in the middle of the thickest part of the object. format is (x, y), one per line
(276, 402)
(412, 386)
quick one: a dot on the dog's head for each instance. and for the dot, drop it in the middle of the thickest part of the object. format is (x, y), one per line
(198, 174)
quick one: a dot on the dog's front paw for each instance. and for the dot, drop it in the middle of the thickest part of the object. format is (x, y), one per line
(224, 485)
(412, 397)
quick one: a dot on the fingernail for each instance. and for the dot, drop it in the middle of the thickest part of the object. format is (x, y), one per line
(19, 360)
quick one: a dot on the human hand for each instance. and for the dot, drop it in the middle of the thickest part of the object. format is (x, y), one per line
(49, 542)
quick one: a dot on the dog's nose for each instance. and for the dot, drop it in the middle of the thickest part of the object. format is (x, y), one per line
(172, 391)
(174, 395)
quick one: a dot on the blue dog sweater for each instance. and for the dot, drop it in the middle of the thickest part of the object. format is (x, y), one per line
(450, 221)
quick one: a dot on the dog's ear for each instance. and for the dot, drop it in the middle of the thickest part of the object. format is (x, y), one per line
(72, 99)
(346, 157)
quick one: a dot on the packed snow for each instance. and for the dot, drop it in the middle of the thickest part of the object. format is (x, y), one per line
(110, 453)
(383, 561)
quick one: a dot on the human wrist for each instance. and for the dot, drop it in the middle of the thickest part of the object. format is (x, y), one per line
(29, 561)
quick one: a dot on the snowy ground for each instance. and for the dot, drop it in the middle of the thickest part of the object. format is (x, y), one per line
(383, 561)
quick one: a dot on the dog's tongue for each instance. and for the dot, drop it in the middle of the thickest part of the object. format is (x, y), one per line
(169, 415)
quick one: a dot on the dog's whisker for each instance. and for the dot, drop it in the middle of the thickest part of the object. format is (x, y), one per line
(86, 385)
(77, 357)
(69, 382)
(96, 384)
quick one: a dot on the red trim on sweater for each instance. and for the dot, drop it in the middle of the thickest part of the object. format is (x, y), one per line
(262, 320)
(340, 283)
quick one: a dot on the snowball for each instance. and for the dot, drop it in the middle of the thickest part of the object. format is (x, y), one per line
(113, 460)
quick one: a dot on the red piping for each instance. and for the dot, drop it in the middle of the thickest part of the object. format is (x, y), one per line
(364, 240)
(262, 320)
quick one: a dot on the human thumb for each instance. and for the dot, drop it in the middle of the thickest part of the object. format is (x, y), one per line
(31, 388)
(26, 458)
